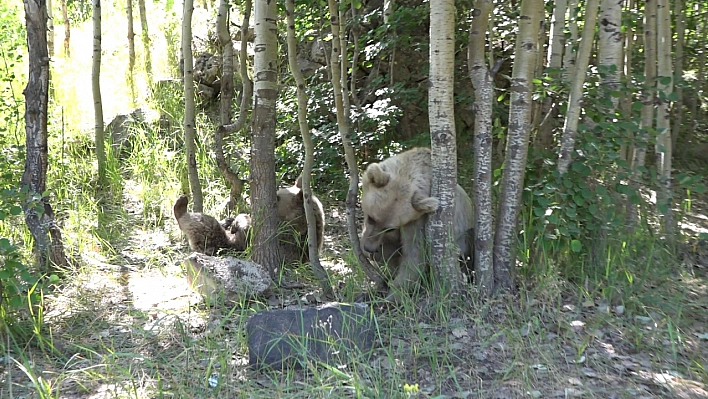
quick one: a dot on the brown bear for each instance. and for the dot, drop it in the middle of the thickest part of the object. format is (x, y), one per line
(204, 233)
(293, 223)
(396, 202)
(240, 228)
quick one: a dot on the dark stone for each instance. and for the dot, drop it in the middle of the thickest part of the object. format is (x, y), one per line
(333, 332)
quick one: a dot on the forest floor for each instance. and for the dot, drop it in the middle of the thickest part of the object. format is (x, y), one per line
(131, 326)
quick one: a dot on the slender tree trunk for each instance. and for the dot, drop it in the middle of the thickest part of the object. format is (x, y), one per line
(517, 144)
(572, 42)
(67, 29)
(99, 133)
(317, 268)
(190, 147)
(647, 116)
(441, 110)
(147, 46)
(626, 99)
(663, 147)
(610, 47)
(572, 117)
(50, 29)
(265, 245)
(48, 246)
(680, 39)
(227, 95)
(349, 155)
(131, 49)
(554, 63)
(484, 97)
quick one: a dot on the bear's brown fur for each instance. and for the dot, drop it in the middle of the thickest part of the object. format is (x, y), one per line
(293, 223)
(396, 202)
(204, 233)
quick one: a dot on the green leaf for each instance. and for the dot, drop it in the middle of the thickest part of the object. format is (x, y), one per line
(15, 210)
(699, 188)
(576, 246)
(538, 211)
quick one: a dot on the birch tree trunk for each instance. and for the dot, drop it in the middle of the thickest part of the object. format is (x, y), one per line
(610, 47)
(227, 95)
(50, 29)
(444, 253)
(626, 99)
(572, 117)
(663, 123)
(47, 246)
(647, 116)
(554, 62)
(147, 46)
(67, 29)
(680, 16)
(99, 133)
(483, 101)
(344, 130)
(571, 43)
(517, 144)
(131, 49)
(265, 245)
(189, 127)
(317, 268)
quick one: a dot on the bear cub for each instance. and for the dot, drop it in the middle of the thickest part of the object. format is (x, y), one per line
(204, 233)
(293, 223)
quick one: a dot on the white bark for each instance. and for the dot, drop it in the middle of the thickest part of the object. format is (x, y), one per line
(663, 123)
(99, 134)
(483, 94)
(557, 36)
(572, 117)
(571, 43)
(517, 144)
(610, 46)
(441, 110)
(50, 29)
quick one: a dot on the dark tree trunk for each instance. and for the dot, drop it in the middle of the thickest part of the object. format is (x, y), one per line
(48, 246)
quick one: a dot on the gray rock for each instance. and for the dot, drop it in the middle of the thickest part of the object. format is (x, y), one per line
(330, 333)
(232, 278)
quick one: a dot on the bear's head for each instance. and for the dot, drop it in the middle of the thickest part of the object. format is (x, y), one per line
(389, 201)
(291, 205)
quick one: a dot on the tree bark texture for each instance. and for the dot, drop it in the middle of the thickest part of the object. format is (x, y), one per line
(440, 230)
(317, 268)
(572, 116)
(665, 77)
(572, 42)
(147, 47)
(544, 137)
(50, 29)
(626, 99)
(47, 246)
(99, 133)
(610, 46)
(680, 16)
(227, 95)
(190, 147)
(131, 49)
(67, 29)
(647, 116)
(265, 249)
(512, 183)
(483, 95)
(344, 131)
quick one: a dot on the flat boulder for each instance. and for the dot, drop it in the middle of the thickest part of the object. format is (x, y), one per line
(331, 333)
(226, 277)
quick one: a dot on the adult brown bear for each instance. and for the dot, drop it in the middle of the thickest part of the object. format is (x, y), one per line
(396, 202)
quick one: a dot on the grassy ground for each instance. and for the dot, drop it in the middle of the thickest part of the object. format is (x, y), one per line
(125, 323)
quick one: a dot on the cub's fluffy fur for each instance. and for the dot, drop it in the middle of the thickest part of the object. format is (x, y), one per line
(204, 233)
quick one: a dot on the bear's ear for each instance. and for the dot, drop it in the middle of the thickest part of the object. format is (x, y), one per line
(298, 182)
(376, 176)
(424, 204)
